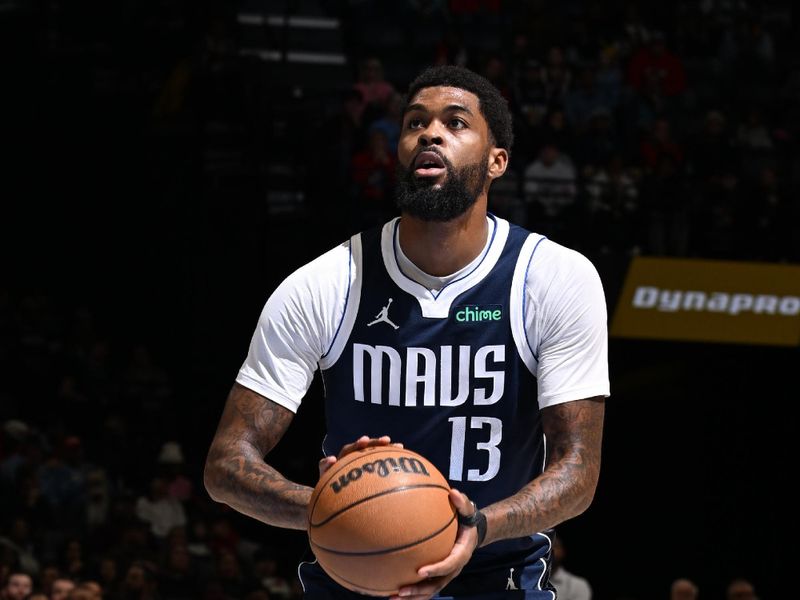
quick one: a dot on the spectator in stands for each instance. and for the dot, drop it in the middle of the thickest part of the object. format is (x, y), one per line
(108, 575)
(550, 180)
(740, 589)
(529, 104)
(584, 101)
(666, 205)
(140, 582)
(87, 590)
(50, 573)
(747, 49)
(637, 33)
(230, 575)
(159, 509)
(16, 445)
(683, 589)
(599, 143)
(373, 176)
(659, 142)
(558, 132)
(654, 63)
(177, 581)
(18, 586)
(753, 135)
(74, 563)
(391, 121)
(375, 90)
(496, 72)
(224, 535)
(557, 76)
(20, 543)
(518, 56)
(568, 586)
(550, 187)
(712, 154)
(612, 209)
(715, 163)
(767, 216)
(170, 466)
(62, 479)
(341, 136)
(608, 77)
(132, 542)
(265, 570)
(61, 588)
(451, 50)
(144, 381)
(98, 494)
(529, 94)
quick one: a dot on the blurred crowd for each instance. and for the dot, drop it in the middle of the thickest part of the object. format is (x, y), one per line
(669, 130)
(95, 501)
(677, 137)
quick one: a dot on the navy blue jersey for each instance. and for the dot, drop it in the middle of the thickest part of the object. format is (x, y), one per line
(453, 388)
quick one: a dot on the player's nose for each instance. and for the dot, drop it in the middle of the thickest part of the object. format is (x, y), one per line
(430, 135)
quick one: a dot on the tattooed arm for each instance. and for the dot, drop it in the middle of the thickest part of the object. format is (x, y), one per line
(565, 489)
(235, 471)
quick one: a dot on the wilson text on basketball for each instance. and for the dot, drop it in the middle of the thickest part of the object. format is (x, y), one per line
(383, 467)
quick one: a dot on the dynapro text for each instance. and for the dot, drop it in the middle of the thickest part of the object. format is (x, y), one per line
(719, 302)
(427, 375)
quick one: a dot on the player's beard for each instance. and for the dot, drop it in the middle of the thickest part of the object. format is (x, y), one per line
(419, 197)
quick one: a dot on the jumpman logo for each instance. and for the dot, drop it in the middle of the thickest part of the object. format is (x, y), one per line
(511, 585)
(383, 317)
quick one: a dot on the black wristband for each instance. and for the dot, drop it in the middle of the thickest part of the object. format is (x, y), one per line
(477, 520)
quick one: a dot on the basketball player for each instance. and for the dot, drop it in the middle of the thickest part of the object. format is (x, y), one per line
(476, 343)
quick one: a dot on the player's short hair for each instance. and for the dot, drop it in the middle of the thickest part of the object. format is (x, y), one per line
(494, 107)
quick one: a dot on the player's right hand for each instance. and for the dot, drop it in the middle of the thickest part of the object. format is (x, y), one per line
(363, 442)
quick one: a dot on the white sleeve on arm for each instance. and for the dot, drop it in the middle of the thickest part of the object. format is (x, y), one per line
(567, 326)
(296, 327)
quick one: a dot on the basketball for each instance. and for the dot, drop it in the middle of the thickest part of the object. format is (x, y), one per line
(379, 514)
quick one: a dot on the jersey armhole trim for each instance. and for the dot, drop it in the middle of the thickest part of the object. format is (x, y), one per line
(346, 298)
(352, 301)
(525, 304)
(518, 304)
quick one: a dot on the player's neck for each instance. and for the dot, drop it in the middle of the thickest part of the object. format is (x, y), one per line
(442, 248)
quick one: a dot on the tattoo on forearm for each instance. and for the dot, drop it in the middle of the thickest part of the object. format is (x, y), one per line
(566, 487)
(235, 470)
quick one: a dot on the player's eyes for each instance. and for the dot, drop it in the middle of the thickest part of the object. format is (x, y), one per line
(454, 123)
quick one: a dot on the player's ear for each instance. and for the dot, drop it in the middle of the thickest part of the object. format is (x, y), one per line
(498, 162)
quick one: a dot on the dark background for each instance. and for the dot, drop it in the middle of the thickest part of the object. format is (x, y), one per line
(149, 162)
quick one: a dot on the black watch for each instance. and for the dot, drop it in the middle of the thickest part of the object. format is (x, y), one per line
(478, 520)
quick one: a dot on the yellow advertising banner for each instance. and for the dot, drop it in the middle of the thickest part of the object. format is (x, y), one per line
(710, 301)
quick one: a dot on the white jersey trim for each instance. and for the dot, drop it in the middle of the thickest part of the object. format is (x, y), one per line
(544, 563)
(352, 302)
(436, 305)
(518, 302)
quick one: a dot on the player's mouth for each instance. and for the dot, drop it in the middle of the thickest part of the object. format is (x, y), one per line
(429, 164)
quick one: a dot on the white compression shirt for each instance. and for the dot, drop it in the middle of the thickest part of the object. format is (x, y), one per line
(563, 320)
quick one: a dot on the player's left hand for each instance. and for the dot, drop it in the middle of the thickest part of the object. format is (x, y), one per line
(440, 574)
(363, 442)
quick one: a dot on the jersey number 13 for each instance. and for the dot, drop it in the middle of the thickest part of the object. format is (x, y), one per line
(459, 440)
